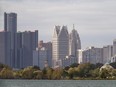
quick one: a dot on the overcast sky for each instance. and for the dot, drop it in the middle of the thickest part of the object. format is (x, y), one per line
(95, 20)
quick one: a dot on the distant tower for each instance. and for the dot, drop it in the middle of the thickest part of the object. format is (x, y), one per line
(114, 47)
(10, 22)
(10, 25)
(60, 44)
(55, 43)
(74, 42)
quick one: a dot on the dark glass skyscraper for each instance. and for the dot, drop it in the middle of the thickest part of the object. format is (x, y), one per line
(10, 22)
(5, 57)
(10, 25)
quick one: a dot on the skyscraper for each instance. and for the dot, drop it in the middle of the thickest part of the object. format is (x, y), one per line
(5, 50)
(29, 43)
(74, 42)
(55, 43)
(10, 22)
(19, 61)
(114, 47)
(10, 25)
(60, 44)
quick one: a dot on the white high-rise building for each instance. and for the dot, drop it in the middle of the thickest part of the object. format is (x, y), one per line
(80, 56)
(74, 42)
(60, 45)
(107, 53)
(114, 47)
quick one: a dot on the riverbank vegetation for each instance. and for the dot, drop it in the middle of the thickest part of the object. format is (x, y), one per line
(75, 71)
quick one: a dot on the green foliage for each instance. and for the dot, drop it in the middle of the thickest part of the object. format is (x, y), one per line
(83, 69)
(47, 73)
(18, 74)
(66, 68)
(71, 73)
(37, 74)
(6, 73)
(114, 72)
(27, 73)
(95, 73)
(79, 72)
(98, 65)
(104, 73)
(57, 73)
(36, 67)
(113, 65)
(74, 65)
(65, 74)
(31, 73)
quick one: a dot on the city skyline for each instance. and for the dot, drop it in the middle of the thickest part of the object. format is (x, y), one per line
(94, 20)
(21, 49)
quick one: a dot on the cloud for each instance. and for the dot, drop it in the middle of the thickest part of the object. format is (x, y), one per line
(91, 17)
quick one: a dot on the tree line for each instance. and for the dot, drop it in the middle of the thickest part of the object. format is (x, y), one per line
(72, 72)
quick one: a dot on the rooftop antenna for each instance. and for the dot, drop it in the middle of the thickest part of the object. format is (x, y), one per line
(73, 26)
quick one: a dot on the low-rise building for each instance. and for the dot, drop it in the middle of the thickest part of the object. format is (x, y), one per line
(92, 55)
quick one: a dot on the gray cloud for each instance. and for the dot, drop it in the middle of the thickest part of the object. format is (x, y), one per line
(91, 17)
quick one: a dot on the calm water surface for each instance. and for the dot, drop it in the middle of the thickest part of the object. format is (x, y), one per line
(57, 83)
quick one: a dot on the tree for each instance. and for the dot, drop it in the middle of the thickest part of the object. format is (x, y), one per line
(74, 65)
(104, 73)
(36, 67)
(57, 73)
(4, 66)
(98, 65)
(95, 72)
(6, 73)
(18, 74)
(49, 73)
(83, 69)
(113, 65)
(27, 73)
(66, 68)
(113, 73)
(71, 72)
(37, 74)
(65, 74)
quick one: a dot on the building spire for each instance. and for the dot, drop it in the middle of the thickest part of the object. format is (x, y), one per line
(73, 26)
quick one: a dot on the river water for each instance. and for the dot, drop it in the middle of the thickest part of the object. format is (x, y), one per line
(57, 83)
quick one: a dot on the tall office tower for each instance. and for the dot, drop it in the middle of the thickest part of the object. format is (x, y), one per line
(74, 42)
(55, 45)
(60, 47)
(10, 22)
(114, 47)
(29, 43)
(107, 53)
(19, 61)
(5, 50)
(10, 25)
